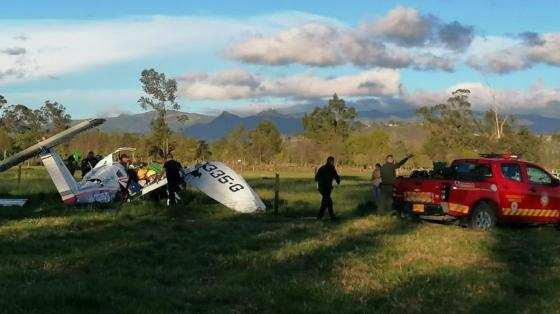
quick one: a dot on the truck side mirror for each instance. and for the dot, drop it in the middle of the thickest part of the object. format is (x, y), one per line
(555, 182)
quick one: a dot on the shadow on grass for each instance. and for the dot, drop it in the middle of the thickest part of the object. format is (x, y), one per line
(164, 264)
(198, 262)
(520, 277)
(530, 256)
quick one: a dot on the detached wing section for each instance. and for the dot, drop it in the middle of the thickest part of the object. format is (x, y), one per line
(224, 185)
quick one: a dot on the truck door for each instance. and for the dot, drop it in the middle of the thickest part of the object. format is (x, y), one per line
(513, 192)
(544, 195)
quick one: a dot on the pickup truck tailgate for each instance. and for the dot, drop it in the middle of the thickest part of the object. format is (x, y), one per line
(419, 191)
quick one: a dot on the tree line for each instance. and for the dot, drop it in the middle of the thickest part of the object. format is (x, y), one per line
(443, 132)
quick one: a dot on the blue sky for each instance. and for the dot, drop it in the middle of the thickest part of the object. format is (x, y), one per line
(251, 55)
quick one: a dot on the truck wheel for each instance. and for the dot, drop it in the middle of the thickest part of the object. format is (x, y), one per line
(483, 217)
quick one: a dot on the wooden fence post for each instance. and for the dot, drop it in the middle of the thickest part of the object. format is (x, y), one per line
(276, 193)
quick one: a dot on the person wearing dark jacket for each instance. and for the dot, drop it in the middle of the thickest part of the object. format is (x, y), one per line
(388, 179)
(173, 174)
(88, 163)
(324, 177)
(71, 164)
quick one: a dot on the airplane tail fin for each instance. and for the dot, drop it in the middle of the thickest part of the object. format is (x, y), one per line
(61, 177)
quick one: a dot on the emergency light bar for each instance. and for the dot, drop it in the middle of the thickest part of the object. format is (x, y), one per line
(501, 156)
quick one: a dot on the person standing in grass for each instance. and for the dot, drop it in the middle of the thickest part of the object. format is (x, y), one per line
(376, 179)
(388, 179)
(71, 164)
(88, 163)
(324, 177)
(173, 175)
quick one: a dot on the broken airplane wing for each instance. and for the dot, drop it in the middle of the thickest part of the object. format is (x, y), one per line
(224, 185)
(48, 143)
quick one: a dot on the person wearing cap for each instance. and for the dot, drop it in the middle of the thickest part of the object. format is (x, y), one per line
(173, 174)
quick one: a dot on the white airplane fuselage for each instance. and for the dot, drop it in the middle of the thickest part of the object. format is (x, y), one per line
(100, 185)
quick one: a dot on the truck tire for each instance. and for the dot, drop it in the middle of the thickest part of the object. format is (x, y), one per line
(482, 217)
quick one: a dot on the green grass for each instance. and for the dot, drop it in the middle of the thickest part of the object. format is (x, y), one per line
(138, 258)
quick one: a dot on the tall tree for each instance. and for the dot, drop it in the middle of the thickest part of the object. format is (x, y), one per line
(456, 131)
(23, 124)
(330, 126)
(453, 127)
(55, 114)
(5, 139)
(3, 101)
(233, 146)
(160, 97)
(203, 152)
(265, 141)
(367, 147)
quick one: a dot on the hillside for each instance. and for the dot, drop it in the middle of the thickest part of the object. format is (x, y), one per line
(141, 123)
(226, 122)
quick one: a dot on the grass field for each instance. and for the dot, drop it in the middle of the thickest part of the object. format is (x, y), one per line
(206, 258)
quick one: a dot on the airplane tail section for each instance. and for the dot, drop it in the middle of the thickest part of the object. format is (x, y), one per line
(61, 177)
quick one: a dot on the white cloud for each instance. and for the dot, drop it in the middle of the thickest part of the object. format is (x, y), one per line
(537, 97)
(518, 54)
(378, 82)
(408, 27)
(312, 44)
(32, 49)
(228, 84)
(325, 45)
(82, 102)
(502, 61)
(239, 84)
(381, 43)
(546, 51)
(403, 25)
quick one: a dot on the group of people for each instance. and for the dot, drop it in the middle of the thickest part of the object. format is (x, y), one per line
(383, 177)
(85, 165)
(138, 175)
(173, 174)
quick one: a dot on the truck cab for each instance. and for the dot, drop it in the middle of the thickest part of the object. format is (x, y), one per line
(484, 191)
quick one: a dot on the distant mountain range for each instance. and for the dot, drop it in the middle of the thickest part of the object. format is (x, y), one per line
(226, 122)
(540, 124)
(207, 127)
(141, 123)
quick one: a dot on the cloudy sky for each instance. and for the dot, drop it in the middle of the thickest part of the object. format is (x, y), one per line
(251, 55)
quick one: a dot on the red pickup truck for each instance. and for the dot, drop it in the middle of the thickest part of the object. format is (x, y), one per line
(483, 191)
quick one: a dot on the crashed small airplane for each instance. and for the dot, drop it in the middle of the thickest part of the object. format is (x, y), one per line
(105, 181)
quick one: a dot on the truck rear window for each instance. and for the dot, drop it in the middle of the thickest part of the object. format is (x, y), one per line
(470, 171)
